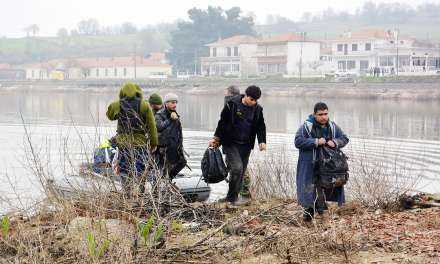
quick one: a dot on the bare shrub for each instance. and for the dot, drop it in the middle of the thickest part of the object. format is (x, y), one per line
(272, 176)
(379, 182)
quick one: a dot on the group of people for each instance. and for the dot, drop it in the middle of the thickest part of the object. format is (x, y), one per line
(152, 131)
(148, 135)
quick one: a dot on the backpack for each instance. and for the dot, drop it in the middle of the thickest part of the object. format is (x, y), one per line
(213, 167)
(332, 168)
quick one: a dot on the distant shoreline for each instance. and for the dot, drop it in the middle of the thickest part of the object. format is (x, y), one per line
(396, 89)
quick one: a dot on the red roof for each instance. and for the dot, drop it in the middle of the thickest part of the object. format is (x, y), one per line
(370, 33)
(235, 40)
(153, 60)
(4, 66)
(282, 38)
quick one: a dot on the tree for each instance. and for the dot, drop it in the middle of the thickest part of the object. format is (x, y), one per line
(128, 28)
(62, 33)
(205, 26)
(88, 27)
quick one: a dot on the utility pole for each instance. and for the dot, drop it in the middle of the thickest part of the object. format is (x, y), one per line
(396, 32)
(135, 61)
(303, 37)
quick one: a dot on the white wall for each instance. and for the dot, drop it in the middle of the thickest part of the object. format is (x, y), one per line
(310, 55)
(36, 74)
(128, 72)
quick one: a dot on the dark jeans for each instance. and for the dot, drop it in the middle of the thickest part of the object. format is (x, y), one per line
(132, 164)
(237, 157)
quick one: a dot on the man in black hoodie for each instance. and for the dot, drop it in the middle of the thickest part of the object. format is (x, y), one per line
(241, 122)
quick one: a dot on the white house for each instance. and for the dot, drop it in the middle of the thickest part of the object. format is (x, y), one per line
(290, 55)
(153, 66)
(231, 56)
(388, 51)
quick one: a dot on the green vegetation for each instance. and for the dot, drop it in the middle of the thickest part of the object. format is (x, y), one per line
(5, 226)
(96, 251)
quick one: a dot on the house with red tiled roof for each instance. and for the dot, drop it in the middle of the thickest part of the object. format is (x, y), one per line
(152, 66)
(231, 56)
(385, 52)
(286, 54)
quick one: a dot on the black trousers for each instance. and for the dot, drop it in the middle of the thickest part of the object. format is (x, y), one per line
(237, 158)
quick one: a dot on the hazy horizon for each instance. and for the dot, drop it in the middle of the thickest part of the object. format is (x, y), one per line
(51, 15)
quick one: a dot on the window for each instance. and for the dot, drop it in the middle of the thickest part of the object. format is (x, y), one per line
(125, 71)
(364, 64)
(228, 51)
(354, 47)
(33, 73)
(367, 46)
(340, 47)
(236, 51)
(116, 72)
(106, 72)
(386, 61)
(235, 67)
(342, 65)
(262, 68)
(351, 65)
(214, 52)
(97, 72)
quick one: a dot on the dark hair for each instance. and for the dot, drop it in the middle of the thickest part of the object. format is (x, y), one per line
(254, 92)
(320, 106)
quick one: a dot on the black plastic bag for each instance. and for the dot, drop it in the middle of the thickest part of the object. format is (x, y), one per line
(332, 167)
(213, 167)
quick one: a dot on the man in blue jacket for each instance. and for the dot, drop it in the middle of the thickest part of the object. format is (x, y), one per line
(317, 131)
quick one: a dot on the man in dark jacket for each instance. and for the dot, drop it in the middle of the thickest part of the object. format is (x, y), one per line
(136, 131)
(169, 127)
(231, 92)
(316, 132)
(155, 102)
(241, 122)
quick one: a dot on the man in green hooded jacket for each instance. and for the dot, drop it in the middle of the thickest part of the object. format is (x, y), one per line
(136, 132)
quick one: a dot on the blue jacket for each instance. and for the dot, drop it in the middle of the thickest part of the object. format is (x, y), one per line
(307, 145)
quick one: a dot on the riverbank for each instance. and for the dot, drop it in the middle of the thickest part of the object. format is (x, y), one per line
(414, 88)
(261, 232)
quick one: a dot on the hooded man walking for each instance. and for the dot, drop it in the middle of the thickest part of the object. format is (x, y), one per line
(169, 128)
(136, 132)
(317, 131)
(241, 122)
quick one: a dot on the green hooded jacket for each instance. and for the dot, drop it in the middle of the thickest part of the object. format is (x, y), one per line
(133, 90)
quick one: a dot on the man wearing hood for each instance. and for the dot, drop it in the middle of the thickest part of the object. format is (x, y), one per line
(136, 132)
(241, 122)
(316, 132)
(169, 127)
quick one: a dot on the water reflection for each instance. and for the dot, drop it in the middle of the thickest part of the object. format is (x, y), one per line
(367, 118)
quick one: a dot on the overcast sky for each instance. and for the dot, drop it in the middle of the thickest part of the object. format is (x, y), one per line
(50, 15)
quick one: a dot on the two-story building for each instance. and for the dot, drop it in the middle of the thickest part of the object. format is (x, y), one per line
(232, 56)
(388, 51)
(290, 55)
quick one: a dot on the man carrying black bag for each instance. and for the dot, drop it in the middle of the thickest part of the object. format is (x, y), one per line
(241, 122)
(316, 133)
